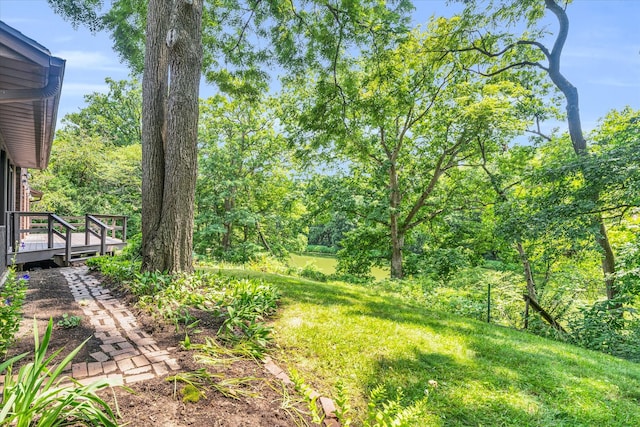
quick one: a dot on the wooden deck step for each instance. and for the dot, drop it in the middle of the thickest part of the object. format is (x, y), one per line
(76, 256)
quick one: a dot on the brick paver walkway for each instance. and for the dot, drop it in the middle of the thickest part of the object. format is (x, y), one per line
(128, 353)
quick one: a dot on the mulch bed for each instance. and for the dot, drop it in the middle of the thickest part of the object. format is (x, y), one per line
(157, 402)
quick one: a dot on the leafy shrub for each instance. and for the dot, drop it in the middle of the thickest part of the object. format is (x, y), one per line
(149, 283)
(610, 327)
(12, 295)
(68, 322)
(362, 248)
(310, 271)
(36, 395)
(133, 250)
(613, 326)
(444, 262)
(244, 312)
(116, 268)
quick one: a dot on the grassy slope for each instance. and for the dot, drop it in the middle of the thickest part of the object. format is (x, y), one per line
(487, 375)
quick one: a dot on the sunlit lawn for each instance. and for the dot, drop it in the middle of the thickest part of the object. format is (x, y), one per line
(486, 375)
(327, 264)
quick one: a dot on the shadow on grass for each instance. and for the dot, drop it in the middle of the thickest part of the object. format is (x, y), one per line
(503, 386)
(498, 377)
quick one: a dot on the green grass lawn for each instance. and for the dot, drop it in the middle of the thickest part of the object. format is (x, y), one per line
(327, 264)
(486, 375)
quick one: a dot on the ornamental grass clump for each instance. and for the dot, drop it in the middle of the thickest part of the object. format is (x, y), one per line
(40, 395)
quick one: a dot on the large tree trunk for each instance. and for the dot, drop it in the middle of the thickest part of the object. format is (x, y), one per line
(397, 236)
(154, 98)
(577, 138)
(170, 120)
(397, 244)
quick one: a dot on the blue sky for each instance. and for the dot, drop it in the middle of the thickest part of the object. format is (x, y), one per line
(601, 58)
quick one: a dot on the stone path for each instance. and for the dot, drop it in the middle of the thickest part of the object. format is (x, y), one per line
(128, 353)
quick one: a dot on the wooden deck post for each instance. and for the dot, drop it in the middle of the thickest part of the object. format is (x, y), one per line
(15, 238)
(87, 238)
(67, 246)
(50, 231)
(103, 240)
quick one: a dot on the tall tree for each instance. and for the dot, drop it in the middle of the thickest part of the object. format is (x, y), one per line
(403, 118)
(309, 31)
(508, 52)
(247, 201)
(170, 86)
(115, 116)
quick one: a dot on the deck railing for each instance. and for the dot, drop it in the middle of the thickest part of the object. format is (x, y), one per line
(21, 224)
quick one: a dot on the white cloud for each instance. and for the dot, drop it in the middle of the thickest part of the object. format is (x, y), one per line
(62, 39)
(622, 54)
(75, 89)
(78, 59)
(614, 82)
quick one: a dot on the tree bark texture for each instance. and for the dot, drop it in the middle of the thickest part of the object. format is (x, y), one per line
(577, 138)
(154, 98)
(173, 61)
(397, 235)
(528, 273)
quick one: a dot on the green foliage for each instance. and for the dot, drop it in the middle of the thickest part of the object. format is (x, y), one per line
(118, 269)
(608, 327)
(309, 394)
(243, 305)
(321, 249)
(12, 294)
(249, 305)
(133, 250)
(266, 264)
(362, 248)
(444, 262)
(613, 326)
(37, 396)
(329, 227)
(114, 116)
(149, 283)
(343, 408)
(383, 411)
(95, 163)
(310, 271)
(68, 322)
(247, 202)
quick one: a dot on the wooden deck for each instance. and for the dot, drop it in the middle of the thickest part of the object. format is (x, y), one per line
(46, 236)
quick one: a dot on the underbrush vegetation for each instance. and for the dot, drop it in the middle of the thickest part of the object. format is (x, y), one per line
(12, 294)
(242, 305)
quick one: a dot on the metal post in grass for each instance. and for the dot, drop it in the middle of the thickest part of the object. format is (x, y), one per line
(489, 303)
